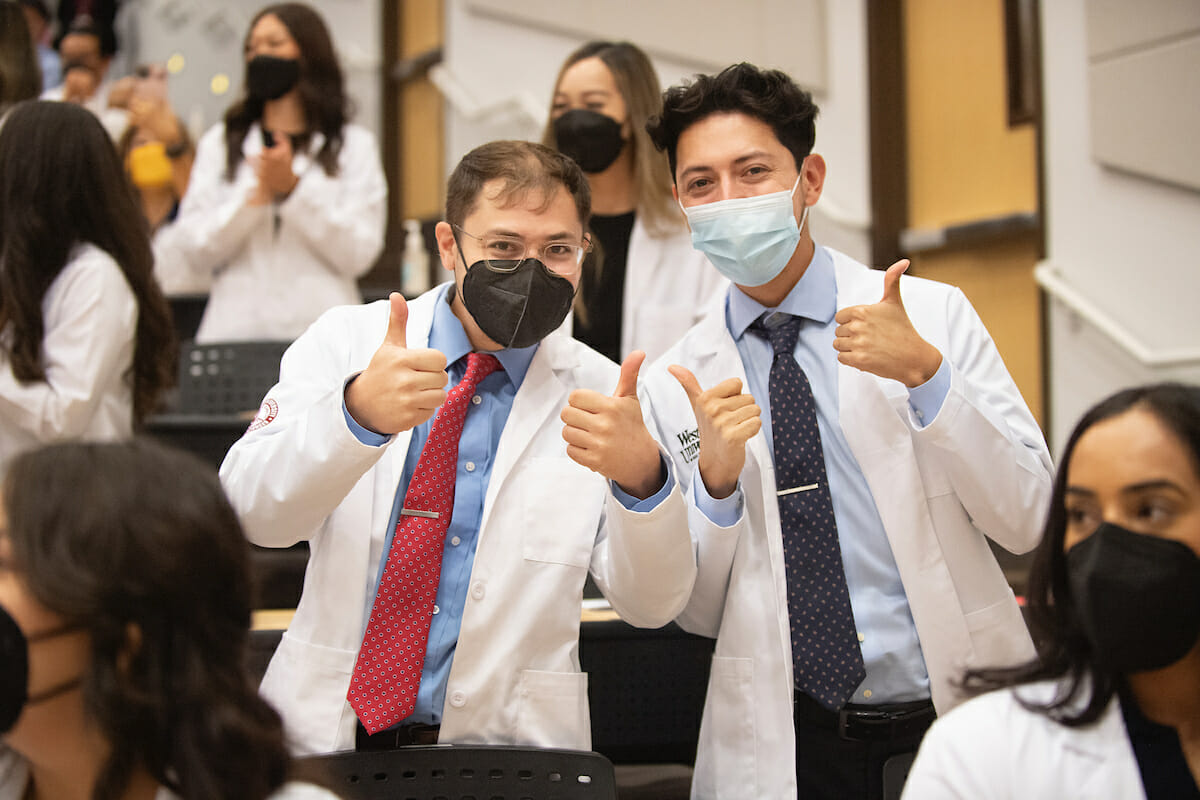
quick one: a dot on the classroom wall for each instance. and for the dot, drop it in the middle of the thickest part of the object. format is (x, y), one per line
(1121, 245)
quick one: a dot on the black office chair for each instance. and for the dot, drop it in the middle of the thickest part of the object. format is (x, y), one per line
(456, 772)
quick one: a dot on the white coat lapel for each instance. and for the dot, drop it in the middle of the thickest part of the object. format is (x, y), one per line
(537, 404)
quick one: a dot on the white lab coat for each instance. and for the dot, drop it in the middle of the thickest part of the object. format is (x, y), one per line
(546, 520)
(992, 748)
(669, 285)
(90, 321)
(14, 783)
(273, 269)
(979, 469)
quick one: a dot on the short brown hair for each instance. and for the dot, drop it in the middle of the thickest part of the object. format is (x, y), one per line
(525, 168)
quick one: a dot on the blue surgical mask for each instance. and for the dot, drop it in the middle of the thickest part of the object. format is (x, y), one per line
(748, 239)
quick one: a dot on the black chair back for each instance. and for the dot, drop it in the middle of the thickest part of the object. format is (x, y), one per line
(223, 378)
(455, 772)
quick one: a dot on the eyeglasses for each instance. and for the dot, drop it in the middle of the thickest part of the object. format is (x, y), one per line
(506, 253)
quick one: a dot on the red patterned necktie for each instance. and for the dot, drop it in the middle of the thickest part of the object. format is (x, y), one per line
(387, 673)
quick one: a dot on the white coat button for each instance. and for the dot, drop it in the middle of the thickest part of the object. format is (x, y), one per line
(478, 591)
(458, 699)
(454, 540)
(470, 466)
(862, 638)
(436, 610)
(476, 399)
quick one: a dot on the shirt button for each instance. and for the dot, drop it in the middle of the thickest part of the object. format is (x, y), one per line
(470, 466)
(454, 540)
(862, 638)
(458, 699)
(478, 591)
(867, 693)
(476, 399)
(436, 610)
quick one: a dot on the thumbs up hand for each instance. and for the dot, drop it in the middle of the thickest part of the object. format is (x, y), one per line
(608, 435)
(880, 338)
(401, 387)
(727, 418)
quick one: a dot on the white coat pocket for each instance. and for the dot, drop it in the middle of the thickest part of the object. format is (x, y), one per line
(562, 503)
(729, 765)
(553, 710)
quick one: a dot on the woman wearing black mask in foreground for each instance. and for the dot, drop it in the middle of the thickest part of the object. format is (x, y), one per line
(1111, 708)
(124, 609)
(644, 284)
(287, 199)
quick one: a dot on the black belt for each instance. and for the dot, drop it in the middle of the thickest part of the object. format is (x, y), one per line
(888, 722)
(395, 738)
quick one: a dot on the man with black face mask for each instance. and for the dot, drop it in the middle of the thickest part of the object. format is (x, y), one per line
(419, 450)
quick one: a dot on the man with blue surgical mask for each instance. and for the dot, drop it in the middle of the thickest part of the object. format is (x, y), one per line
(847, 440)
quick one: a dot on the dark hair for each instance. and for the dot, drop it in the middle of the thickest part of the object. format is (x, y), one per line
(322, 89)
(769, 96)
(20, 77)
(85, 25)
(525, 167)
(134, 535)
(61, 185)
(1063, 648)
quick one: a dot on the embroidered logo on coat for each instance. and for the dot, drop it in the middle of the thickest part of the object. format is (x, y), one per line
(268, 412)
(689, 445)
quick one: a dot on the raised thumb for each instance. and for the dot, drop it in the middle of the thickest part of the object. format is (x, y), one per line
(627, 383)
(397, 321)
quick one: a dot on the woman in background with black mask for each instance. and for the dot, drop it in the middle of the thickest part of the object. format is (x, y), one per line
(644, 285)
(1111, 707)
(287, 200)
(124, 616)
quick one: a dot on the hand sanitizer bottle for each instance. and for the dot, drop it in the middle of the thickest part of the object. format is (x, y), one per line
(414, 268)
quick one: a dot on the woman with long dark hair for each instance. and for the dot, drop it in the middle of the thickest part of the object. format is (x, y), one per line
(86, 339)
(286, 204)
(1111, 705)
(644, 284)
(124, 616)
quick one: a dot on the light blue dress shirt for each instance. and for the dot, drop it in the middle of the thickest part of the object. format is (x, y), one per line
(891, 651)
(477, 446)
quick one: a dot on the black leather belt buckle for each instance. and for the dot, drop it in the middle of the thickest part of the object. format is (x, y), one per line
(881, 725)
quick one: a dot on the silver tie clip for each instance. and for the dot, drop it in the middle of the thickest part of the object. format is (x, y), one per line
(807, 488)
(412, 512)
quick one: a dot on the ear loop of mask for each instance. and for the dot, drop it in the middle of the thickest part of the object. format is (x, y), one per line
(59, 688)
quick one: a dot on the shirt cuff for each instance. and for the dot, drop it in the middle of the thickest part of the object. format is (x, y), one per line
(722, 513)
(652, 502)
(926, 400)
(364, 435)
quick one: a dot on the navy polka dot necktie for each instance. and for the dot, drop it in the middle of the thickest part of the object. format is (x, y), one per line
(826, 657)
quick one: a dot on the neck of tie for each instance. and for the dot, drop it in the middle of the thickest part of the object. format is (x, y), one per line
(826, 656)
(387, 673)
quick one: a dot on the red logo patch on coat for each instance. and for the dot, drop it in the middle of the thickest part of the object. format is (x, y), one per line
(266, 413)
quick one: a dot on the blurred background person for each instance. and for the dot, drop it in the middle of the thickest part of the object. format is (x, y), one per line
(1111, 706)
(86, 340)
(644, 285)
(287, 200)
(86, 50)
(158, 155)
(124, 615)
(37, 17)
(19, 75)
